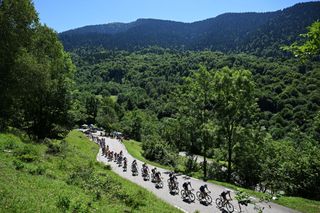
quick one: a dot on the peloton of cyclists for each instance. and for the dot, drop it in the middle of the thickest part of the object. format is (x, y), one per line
(156, 175)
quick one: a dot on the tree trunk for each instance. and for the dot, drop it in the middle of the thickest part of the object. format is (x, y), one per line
(204, 151)
(229, 158)
(205, 167)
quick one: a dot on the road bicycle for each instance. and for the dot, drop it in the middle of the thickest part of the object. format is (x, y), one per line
(188, 195)
(159, 183)
(174, 188)
(201, 196)
(221, 203)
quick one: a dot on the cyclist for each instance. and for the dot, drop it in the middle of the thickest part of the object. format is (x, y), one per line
(134, 165)
(203, 190)
(224, 195)
(173, 180)
(134, 162)
(121, 153)
(119, 159)
(106, 151)
(125, 163)
(157, 176)
(145, 169)
(110, 155)
(153, 172)
(115, 156)
(103, 146)
(186, 185)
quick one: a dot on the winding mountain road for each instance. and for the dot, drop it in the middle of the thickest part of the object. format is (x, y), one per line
(176, 200)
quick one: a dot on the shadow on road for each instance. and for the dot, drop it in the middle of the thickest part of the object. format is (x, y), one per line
(186, 200)
(223, 210)
(205, 203)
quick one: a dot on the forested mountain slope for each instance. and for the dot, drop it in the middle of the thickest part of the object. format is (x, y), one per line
(287, 92)
(259, 33)
(137, 93)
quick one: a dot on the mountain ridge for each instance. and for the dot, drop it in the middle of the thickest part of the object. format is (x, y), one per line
(236, 32)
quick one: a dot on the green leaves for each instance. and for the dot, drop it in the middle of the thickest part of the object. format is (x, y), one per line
(217, 103)
(311, 45)
(36, 73)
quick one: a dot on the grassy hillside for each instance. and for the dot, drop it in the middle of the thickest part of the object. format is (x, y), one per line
(63, 176)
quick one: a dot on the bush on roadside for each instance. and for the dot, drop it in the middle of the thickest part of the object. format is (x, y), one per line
(217, 172)
(191, 164)
(155, 149)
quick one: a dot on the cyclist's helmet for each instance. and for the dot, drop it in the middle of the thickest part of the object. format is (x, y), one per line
(205, 185)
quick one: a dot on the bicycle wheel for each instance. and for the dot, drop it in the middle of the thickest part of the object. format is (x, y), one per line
(183, 194)
(219, 202)
(177, 190)
(198, 194)
(229, 207)
(192, 197)
(209, 199)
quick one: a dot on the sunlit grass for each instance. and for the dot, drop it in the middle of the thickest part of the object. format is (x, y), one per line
(37, 186)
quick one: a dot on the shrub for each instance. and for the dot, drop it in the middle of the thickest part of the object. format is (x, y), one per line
(10, 145)
(80, 175)
(216, 171)
(56, 147)
(191, 164)
(156, 150)
(27, 153)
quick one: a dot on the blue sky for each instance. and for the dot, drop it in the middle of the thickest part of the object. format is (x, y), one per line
(63, 15)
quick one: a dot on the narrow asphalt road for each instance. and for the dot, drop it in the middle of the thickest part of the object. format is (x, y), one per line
(176, 200)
